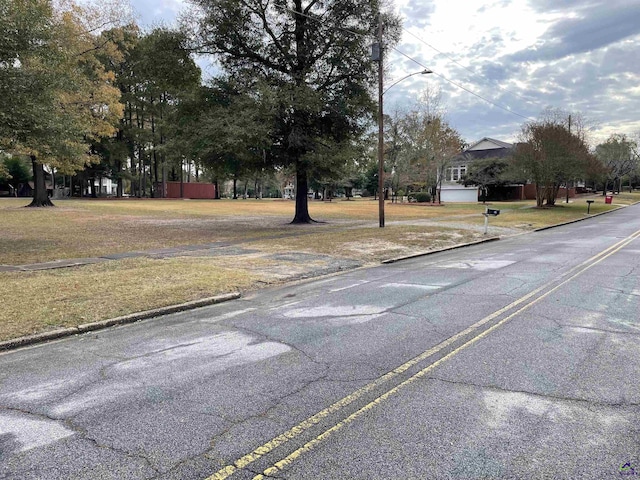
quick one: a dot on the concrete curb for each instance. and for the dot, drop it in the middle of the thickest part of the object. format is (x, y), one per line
(134, 317)
(541, 229)
(491, 239)
(445, 249)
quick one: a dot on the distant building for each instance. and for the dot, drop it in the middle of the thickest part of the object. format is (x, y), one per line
(289, 190)
(451, 190)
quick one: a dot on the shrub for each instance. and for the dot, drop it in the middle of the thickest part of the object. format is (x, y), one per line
(421, 197)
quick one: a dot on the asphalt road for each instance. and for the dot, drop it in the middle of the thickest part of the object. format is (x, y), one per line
(513, 359)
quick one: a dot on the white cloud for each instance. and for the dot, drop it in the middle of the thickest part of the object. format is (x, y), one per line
(524, 55)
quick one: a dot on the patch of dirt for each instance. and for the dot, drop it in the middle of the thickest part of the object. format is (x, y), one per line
(374, 247)
(416, 236)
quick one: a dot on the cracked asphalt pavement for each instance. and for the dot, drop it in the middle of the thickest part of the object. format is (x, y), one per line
(512, 359)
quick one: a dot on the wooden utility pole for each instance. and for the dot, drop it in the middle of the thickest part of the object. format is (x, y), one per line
(566, 187)
(380, 127)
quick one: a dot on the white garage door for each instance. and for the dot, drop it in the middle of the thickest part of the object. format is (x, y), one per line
(459, 195)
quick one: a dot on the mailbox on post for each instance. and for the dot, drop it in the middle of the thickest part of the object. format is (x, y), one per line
(489, 212)
(589, 202)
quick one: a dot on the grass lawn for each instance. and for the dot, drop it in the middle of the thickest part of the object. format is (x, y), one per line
(38, 301)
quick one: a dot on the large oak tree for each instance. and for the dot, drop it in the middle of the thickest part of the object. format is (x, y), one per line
(315, 57)
(55, 97)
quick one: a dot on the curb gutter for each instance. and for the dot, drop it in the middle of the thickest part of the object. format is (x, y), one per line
(445, 249)
(581, 219)
(134, 317)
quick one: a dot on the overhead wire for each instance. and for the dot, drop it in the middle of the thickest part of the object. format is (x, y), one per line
(506, 109)
(473, 72)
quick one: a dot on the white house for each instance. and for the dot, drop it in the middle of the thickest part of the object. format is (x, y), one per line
(289, 190)
(451, 190)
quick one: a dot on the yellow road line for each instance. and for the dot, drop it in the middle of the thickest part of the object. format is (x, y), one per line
(305, 425)
(288, 460)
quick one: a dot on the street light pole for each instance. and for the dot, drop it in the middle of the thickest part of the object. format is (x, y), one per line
(381, 93)
(376, 53)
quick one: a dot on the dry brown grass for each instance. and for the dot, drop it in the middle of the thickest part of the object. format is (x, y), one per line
(372, 244)
(87, 228)
(38, 301)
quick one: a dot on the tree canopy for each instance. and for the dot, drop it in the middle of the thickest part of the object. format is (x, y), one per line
(487, 172)
(55, 96)
(618, 158)
(314, 56)
(550, 155)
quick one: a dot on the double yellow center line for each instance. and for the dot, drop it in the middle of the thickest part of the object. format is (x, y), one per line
(524, 303)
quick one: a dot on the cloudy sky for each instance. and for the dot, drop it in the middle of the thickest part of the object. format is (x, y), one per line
(520, 56)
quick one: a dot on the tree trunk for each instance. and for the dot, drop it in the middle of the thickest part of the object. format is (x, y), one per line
(539, 195)
(551, 194)
(155, 181)
(181, 180)
(163, 193)
(40, 197)
(143, 165)
(348, 192)
(153, 170)
(216, 194)
(235, 188)
(302, 201)
(119, 179)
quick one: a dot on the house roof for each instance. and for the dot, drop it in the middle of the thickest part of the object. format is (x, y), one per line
(487, 143)
(491, 153)
(484, 148)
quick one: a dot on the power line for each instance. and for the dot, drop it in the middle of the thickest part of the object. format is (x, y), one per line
(422, 65)
(465, 67)
(506, 109)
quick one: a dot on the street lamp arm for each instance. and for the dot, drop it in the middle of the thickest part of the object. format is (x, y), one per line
(423, 72)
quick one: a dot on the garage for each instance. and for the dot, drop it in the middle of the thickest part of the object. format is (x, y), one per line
(458, 194)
